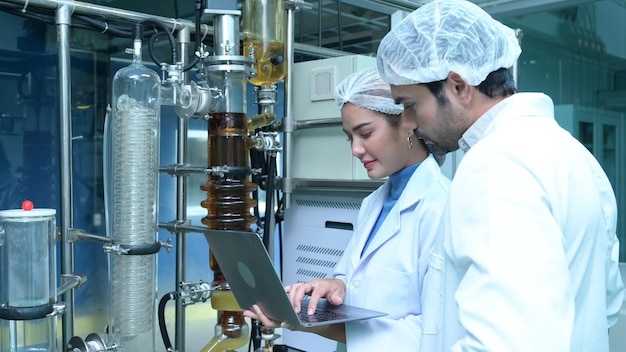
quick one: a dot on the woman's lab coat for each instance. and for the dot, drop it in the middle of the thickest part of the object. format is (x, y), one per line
(528, 260)
(388, 277)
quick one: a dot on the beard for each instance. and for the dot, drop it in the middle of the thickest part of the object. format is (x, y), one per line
(445, 135)
(440, 143)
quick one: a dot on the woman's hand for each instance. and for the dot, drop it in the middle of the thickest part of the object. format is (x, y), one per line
(255, 312)
(334, 290)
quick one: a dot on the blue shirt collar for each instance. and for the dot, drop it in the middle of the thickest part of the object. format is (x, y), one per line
(399, 180)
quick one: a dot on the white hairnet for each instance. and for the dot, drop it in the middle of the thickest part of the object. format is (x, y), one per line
(367, 90)
(444, 36)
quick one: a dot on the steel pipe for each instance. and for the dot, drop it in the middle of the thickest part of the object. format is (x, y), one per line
(181, 206)
(63, 21)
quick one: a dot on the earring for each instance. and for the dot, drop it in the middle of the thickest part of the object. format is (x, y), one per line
(409, 142)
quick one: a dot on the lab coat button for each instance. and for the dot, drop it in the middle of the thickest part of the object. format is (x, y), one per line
(355, 284)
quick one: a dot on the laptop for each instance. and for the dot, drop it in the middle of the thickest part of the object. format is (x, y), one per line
(245, 263)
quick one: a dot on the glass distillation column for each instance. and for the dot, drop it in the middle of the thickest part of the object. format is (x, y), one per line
(27, 280)
(264, 39)
(228, 202)
(131, 191)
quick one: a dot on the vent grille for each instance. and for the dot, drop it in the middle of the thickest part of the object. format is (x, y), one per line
(320, 250)
(311, 273)
(317, 262)
(328, 204)
(318, 266)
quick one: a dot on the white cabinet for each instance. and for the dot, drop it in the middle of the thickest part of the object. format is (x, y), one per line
(602, 132)
(323, 152)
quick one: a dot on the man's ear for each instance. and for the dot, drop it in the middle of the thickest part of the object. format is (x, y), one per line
(459, 88)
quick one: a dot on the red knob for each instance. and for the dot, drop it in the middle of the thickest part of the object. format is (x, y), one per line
(27, 205)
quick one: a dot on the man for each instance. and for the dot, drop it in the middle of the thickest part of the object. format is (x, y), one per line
(527, 258)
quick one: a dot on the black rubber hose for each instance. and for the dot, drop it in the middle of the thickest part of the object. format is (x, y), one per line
(256, 179)
(162, 326)
(269, 199)
(198, 10)
(141, 249)
(166, 31)
(151, 51)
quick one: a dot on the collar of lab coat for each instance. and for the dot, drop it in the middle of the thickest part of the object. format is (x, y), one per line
(535, 104)
(419, 184)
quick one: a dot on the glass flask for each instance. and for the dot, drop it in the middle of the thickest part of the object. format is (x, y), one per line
(264, 33)
(27, 280)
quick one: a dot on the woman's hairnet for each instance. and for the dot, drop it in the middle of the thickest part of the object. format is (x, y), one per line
(444, 36)
(367, 90)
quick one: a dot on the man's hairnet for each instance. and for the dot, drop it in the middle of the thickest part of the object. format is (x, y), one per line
(367, 90)
(444, 36)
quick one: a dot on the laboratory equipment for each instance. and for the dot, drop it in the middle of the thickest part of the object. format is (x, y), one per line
(317, 108)
(131, 199)
(28, 279)
(264, 39)
(318, 227)
(228, 185)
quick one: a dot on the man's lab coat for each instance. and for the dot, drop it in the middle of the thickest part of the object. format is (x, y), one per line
(528, 260)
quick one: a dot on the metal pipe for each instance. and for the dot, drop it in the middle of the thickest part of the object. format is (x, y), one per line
(304, 124)
(94, 238)
(63, 21)
(181, 204)
(318, 50)
(88, 9)
(71, 282)
(83, 8)
(180, 170)
(288, 119)
(180, 227)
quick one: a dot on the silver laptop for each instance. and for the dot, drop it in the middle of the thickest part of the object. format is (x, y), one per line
(249, 271)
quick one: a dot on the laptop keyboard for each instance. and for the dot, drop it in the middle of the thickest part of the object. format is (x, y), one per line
(320, 315)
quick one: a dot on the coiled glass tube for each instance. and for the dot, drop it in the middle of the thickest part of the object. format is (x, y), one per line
(132, 189)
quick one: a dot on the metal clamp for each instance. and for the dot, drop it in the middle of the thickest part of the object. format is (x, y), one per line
(93, 343)
(195, 292)
(31, 313)
(138, 249)
(221, 171)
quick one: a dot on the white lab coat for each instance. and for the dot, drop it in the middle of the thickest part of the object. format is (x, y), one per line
(528, 260)
(388, 277)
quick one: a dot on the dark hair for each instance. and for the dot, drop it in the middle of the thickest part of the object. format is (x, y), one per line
(436, 88)
(499, 83)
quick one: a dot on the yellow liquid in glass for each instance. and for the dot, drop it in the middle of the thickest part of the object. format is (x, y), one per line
(229, 344)
(224, 300)
(267, 72)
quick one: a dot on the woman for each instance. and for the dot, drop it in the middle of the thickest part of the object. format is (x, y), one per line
(386, 259)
